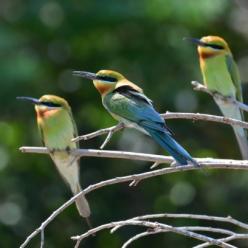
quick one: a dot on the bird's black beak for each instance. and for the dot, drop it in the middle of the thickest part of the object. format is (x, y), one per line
(85, 74)
(30, 99)
(195, 41)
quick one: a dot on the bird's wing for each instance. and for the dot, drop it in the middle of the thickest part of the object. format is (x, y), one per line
(42, 135)
(233, 70)
(134, 106)
(75, 131)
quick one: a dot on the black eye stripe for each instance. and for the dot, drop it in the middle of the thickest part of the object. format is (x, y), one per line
(107, 78)
(215, 46)
(50, 104)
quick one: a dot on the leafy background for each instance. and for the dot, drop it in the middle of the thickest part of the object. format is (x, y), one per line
(42, 41)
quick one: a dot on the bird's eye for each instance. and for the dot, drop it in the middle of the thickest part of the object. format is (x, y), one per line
(50, 104)
(215, 46)
(107, 78)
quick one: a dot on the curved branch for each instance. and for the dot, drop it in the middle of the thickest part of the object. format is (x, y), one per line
(204, 117)
(228, 219)
(205, 163)
(227, 239)
(109, 130)
(155, 226)
(189, 228)
(159, 159)
(218, 96)
(168, 115)
(138, 236)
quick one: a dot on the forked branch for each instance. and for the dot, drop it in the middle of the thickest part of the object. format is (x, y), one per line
(168, 115)
(188, 231)
(216, 95)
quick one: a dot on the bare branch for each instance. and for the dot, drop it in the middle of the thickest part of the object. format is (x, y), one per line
(140, 235)
(227, 239)
(227, 219)
(204, 117)
(109, 130)
(42, 238)
(189, 228)
(204, 162)
(218, 96)
(155, 226)
(168, 115)
(110, 134)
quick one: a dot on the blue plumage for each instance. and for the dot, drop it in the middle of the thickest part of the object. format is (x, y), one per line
(132, 107)
(171, 146)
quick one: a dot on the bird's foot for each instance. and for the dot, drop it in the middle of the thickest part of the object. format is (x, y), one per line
(175, 164)
(134, 183)
(154, 165)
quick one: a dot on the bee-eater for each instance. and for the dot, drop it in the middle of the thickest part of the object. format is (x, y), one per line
(220, 74)
(57, 127)
(126, 102)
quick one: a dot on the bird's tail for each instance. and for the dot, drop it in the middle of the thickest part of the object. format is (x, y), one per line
(81, 202)
(69, 170)
(169, 144)
(232, 111)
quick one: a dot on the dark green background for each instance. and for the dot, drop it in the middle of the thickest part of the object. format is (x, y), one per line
(42, 41)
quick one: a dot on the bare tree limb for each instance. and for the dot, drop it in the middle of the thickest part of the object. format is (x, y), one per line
(155, 226)
(160, 228)
(116, 128)
(204, 117)
(227, 239)
(205, 163)
(140, 235)
(193, 228)
(227, 219)
(218, 96)
(168, 115)
(109, 130)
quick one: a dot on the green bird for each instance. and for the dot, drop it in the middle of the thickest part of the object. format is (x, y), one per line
(220, 74)
(57, 128)
(126, 102)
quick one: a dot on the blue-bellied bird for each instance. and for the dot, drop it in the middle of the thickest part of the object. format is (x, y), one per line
(126, 102)
(220, 74)
(57, 127)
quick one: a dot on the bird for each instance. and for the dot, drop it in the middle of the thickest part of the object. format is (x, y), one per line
(127, 103)
(57, 127)
(221, 75)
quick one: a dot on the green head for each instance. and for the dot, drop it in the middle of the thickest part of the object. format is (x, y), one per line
(54, 119)
(210, 46)
(48, 106)
(106, 81)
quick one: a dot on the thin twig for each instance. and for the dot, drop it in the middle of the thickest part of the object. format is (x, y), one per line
(110, 134)
(168, 115)
(204, 117)
(189, 228)
(204, 162)
(227, 219)
(227, 239)
(109, 130)
(208, 229)
(42, 238)
(155, 226)
(141, 235)
(218, 96)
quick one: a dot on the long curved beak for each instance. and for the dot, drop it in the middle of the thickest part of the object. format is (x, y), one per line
(30, 99)
(195, 41)
(85, 74)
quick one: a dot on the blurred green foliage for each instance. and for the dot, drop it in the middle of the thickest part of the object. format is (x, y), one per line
(42, 41)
